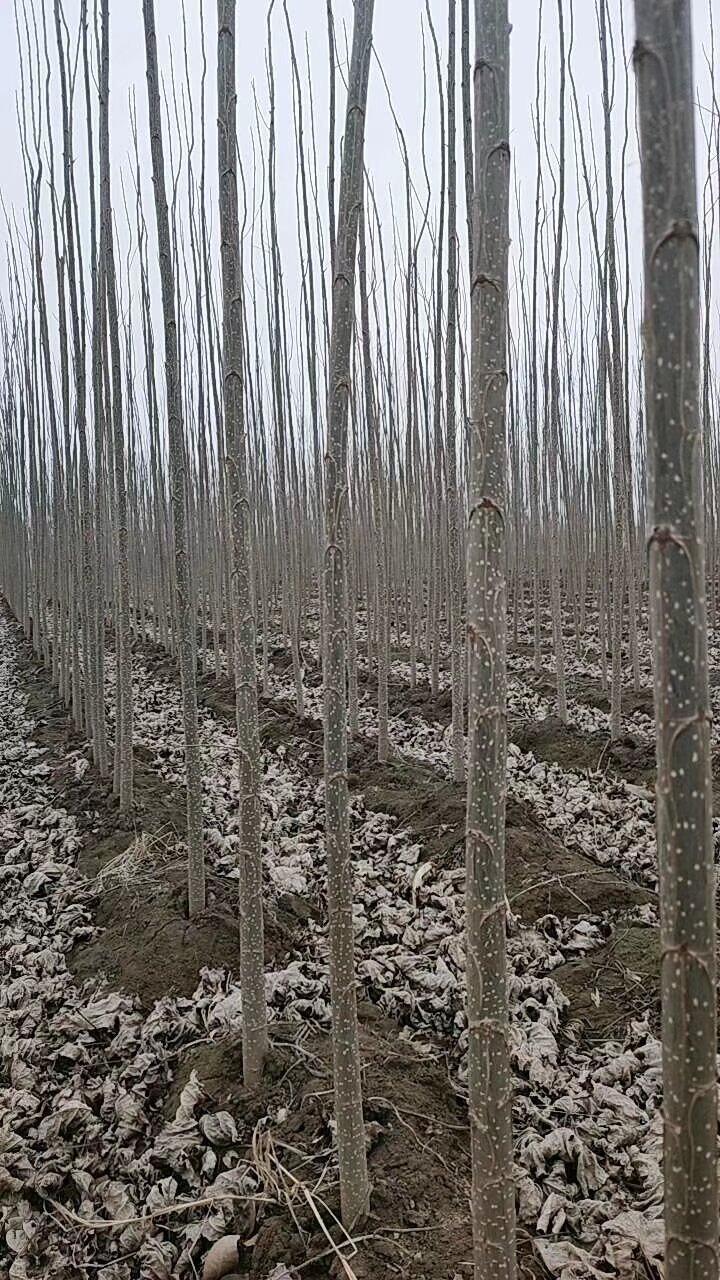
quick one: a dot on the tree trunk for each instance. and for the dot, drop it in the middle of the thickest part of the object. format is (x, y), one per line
(454, 571)
(252, 964)
(177, 468)
(382, 607)
(354, 1190)
(489, 1077)
(666, 89)
(554, 440)
(124, 704)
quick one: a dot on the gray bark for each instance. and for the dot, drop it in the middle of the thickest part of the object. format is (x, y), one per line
(381, 601)
(252, 964)
(489, 1077)
(554, 433)
(124, 711)
(615, 372)
(177, 468)
(94, 712)
(663, 62)
(354, 1190)
(454, 570)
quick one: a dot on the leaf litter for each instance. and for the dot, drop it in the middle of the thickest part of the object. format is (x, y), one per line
(94, 1172)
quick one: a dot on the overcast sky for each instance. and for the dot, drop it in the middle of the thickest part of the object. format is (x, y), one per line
(398, 37)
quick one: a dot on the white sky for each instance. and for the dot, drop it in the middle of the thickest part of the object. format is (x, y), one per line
(398, 43)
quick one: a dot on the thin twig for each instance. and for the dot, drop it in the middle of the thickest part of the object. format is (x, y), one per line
(106, 1224)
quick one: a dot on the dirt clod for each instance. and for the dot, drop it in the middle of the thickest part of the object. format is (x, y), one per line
(605, 987)
(572, 748)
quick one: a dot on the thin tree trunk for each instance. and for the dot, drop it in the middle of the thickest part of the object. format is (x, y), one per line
(177, 467)
(124, 712)
(354, 1188)
(454, 571)
(489, 1076)
(382, 608)
(252, 963)
(554, 446)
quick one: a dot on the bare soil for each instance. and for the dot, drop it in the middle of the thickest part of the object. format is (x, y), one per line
(589, 691)
(150, 948)
(613, 984)
(419, 1161)
(570, 747)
